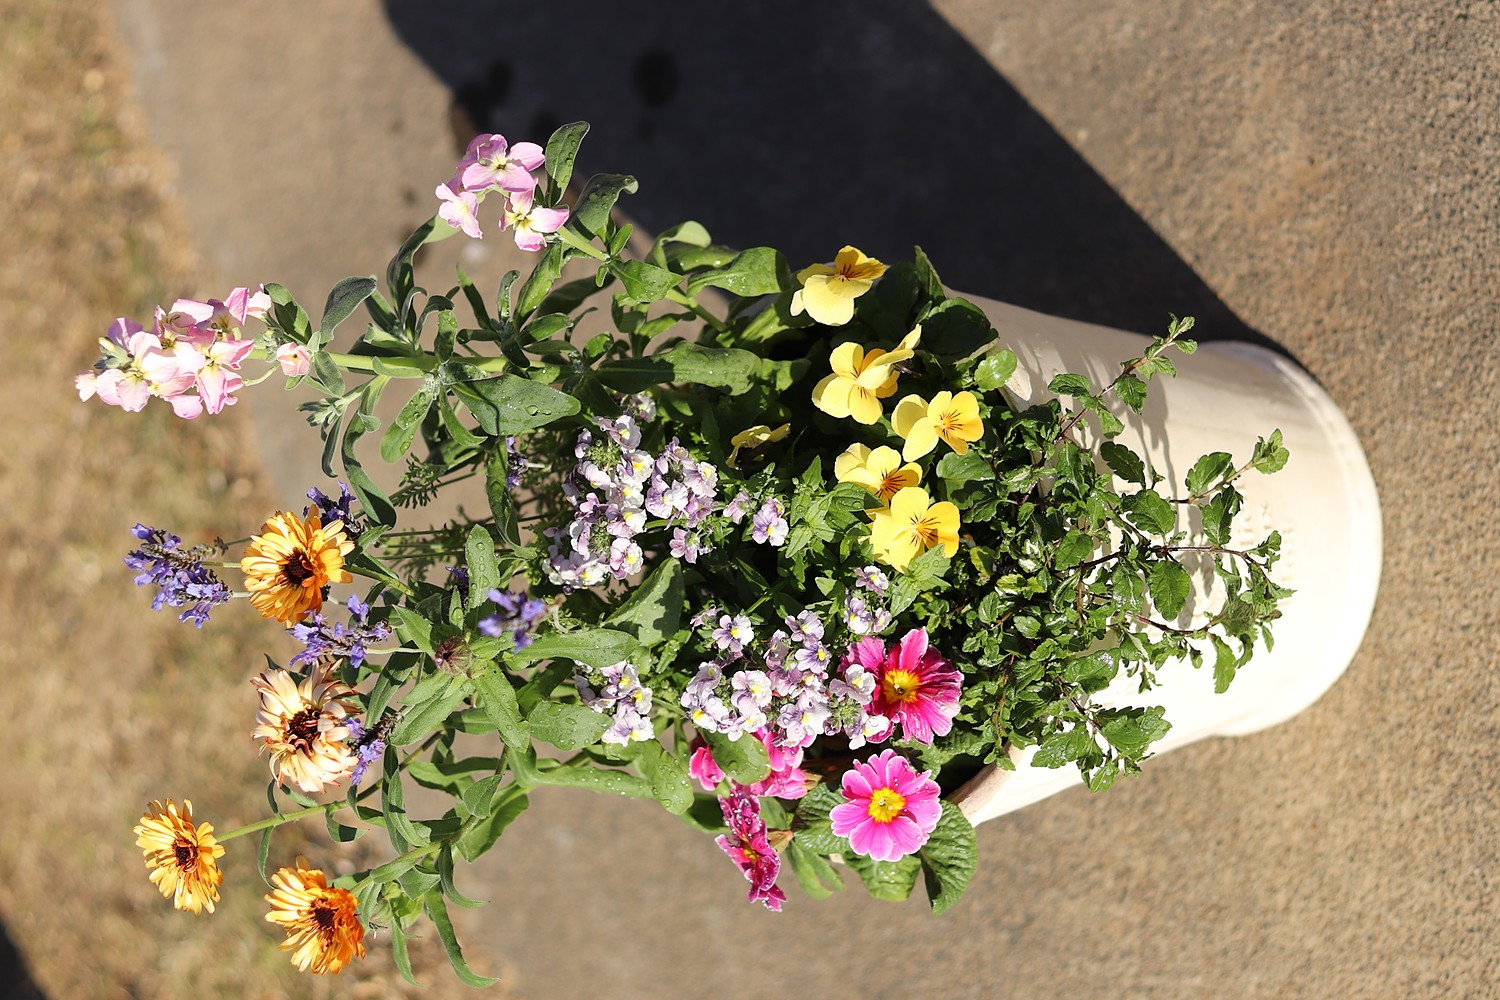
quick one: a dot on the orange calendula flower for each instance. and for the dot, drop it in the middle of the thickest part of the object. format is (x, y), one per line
(323, 931)
(880, 470)
(182, 858)
(305, 728)
(828, 291)
(289, 563)
(911, 525)
(954, 419)
(861, 379)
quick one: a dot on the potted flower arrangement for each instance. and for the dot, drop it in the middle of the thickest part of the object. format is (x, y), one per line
(795, 553)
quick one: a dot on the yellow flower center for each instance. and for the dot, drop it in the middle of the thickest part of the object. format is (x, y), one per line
(900, 685)
(886, 804)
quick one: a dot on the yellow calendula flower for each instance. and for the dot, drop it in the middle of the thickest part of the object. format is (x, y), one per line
(323, 931)
(305, 728)
(754, 437)
(289, 563)
(828, 291)
(954, 419)
(861, 379)
(911, 525)
(183, 859)
(880, 470)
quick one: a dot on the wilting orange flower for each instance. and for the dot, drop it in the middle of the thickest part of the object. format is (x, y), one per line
(304, 727)
(323, 931)
(182, 858)
(289, 563)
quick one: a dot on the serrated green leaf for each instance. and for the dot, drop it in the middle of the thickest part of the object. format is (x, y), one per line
(1075, 547)
(1149, 512)
(1208, 470)
(1269, 455)
(1124, 462)
(1169, 585)
(970, 468)
(1126, 586)
(1132, 392)
(1131, 731)
(1069, 384)
(1065, 747)
(995, 370)
(818, 878)
(1219, 513)
(1225, 664)
(888, 880)
(949, 858)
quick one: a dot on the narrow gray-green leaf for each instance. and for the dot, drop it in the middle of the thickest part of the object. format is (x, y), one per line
(343, 299)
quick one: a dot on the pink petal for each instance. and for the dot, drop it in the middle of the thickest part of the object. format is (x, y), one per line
(548, 220)
(847, 816)
(911, 649)
(186, 405)
(528, 154)
(869, 653)
(85, 383)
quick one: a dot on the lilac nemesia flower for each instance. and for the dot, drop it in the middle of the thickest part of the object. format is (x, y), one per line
(747, 846)
(769, 526)
(517, 614)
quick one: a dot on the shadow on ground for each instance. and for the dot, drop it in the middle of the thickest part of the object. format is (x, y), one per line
(804, 129)
(15, 979)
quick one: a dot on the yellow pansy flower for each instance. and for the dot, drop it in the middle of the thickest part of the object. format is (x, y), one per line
(861, 379)
(754, 437)
(911, 525)
(828, 291)
(954, 419)
(880, 471)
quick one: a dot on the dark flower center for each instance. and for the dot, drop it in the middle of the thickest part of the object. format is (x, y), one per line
(297, 568)
(303, 727)
(186, 854)
(325, 917)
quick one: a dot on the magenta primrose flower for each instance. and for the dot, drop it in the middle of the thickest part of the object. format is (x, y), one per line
(748, 848)
(914, 685)
(891, 809)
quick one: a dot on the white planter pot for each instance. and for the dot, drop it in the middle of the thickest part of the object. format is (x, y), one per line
(1323, 503)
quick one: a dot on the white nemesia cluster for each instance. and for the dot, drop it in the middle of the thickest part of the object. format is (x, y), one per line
(866, 613)
(617, 690)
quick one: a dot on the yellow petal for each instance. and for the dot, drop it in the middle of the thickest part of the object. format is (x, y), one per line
(832, 396)
(847, 360)
(920, 439)
(864, 406)
(907, 413)
(830, 301)
(853, 457)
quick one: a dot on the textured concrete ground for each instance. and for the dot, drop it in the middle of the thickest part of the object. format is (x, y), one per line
(1321, 175)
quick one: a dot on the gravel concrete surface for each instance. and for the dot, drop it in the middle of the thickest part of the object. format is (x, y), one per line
(1320, 176)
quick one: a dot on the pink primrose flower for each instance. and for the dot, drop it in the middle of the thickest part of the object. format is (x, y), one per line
(703, 768)
(489, 162)
(459, 209)
(915, 686)
(747, 846)
(891, 809)
(530, 222)
(787, 780)
(294, 360)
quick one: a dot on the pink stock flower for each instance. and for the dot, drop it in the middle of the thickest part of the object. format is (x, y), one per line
(294, 360)
(488, 163)
(891, 809)
(459, 209)
(914, 686)
(530, 222)
(218, 379)
(747, 846)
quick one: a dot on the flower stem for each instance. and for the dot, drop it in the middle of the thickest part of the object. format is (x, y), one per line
(575, 240)
(280, 820)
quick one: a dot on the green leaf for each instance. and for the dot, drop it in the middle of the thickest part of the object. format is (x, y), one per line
(1074, 548)
(1126, 586)
(668, 774)
(1269, 455)
(598, 199)
(1208, 470)
(756, 271)
(1124, 463)
(343, 299)
(1225, 664)
(954, 328)
(562, 151)
(327, 374)
(653, 610)
(1132, 730)
(397, 438)
(1065, 747)
(949, 858)
(413, 628)
(544, 273)
(498, 700)
(597, 647)
(889, 880)
(504, 809)
(1218, 515)
(1132, 392)
(1169, 584)
(814, 829)
(479, 558)
(450, 889)
(743, 760)
(645, 282)
(567, 727)
(995, 370)
(1150, 512)
(521, 404)
(970, 468)
(437, 912)
(433, 699)
(728, 368)
(1069, 384)
(818, 878)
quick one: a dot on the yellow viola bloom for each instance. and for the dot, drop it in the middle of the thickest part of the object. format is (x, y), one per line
(861, 379)
(754, 437)
(911, 525)
(880, 470)
(828, 291)
(954, 419)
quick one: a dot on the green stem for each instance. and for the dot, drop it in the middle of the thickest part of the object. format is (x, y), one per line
(280, 820)
(575, 239)
(684, 299)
